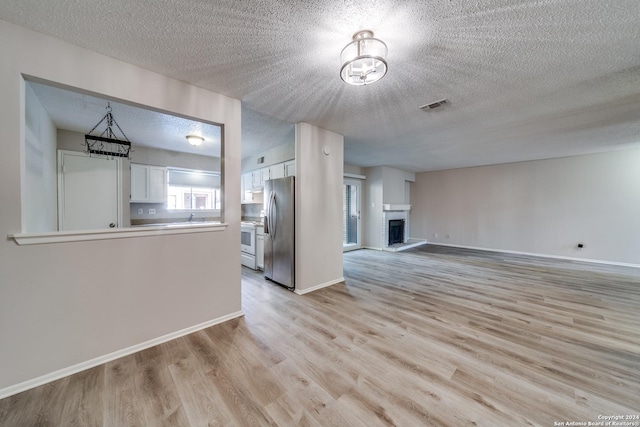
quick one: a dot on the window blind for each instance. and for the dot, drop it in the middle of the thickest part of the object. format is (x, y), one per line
(190, 178)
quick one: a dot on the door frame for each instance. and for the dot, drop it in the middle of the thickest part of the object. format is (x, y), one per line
(358, 244)
(61, 195)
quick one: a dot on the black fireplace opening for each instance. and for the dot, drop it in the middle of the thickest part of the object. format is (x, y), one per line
(396, 231)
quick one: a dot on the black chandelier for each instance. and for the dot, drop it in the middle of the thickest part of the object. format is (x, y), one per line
(107, 143)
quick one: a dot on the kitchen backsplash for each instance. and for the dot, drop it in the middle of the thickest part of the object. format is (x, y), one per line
(251, 212)
(163, 215)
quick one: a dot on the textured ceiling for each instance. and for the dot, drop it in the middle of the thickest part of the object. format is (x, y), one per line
(524, 79)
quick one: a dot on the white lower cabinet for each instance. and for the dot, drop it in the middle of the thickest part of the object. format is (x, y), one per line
(260, 247)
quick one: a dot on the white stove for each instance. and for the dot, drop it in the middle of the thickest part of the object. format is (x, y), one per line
(248, 244)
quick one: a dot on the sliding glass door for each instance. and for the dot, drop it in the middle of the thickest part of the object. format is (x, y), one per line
(351, 230)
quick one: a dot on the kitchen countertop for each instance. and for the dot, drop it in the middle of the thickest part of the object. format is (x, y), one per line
(144, 222)
(175, 224)
(256, 223)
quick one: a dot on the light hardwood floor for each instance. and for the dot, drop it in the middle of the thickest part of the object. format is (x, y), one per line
(427, 337)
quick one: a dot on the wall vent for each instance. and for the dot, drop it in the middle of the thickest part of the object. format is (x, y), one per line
(434, 105)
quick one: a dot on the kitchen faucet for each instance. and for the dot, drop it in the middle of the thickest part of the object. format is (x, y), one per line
(191, 217)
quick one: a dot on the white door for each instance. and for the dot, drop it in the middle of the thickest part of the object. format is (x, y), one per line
(88, 192)
(352, 231)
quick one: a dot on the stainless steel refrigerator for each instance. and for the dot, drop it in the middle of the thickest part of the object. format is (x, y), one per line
(279, 231)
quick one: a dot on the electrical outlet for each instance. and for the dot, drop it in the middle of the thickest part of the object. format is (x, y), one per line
(435, 234)
(152, 211)
(140, 211)
(448, 236)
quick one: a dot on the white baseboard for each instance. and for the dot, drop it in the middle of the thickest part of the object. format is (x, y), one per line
(320, 286)
(594, 261)
(56, 375)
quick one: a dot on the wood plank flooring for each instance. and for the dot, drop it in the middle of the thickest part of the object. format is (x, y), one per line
(432, 336)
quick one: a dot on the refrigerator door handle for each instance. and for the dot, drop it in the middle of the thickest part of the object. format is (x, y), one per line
(272, 214)
(268, 217)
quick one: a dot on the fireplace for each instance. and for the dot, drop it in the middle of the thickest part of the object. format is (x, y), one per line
(396, 231)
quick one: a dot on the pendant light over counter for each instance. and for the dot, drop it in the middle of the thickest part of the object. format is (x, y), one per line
(363, 60)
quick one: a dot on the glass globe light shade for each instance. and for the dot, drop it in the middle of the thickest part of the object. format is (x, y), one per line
(363, 60)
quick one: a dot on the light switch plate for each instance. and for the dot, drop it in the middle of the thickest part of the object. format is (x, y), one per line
(140, 211)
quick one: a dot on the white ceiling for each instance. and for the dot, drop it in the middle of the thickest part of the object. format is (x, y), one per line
(524, 79)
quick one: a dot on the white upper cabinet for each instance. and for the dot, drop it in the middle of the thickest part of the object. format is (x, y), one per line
(290, 168)
(276, 171)
(247, 181)
(247, 185)
(139, 183)
(157, 184)
(253, 182)
(148, 183)
(259, 177)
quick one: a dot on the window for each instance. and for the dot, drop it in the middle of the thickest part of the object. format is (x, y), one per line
(84, 207)
(193, 190)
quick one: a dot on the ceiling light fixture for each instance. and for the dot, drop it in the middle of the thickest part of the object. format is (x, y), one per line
(195, 140)
(363, 60)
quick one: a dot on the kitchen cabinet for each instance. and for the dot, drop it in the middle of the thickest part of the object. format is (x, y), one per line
(260, 247)
(148, 183)
(255, 179)
(290, 168)
(252, 182)
(247, 181)
(249, 193)
(259, 177)
(276, 171)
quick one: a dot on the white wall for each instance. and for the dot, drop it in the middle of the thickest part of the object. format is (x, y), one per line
(39, 199)
(318, 207)
(545, 207)
(64, 304)
(372, 208)
(355, 170)
(275, 155)
(394, 185)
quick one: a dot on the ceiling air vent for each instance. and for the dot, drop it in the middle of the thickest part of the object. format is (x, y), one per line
(433, 105)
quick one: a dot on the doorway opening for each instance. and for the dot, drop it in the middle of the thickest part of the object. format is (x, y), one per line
(351, 230)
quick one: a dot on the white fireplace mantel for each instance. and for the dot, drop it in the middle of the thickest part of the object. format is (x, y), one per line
(396, 207)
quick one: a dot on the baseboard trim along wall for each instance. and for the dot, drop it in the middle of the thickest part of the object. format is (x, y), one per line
(594, 261)
(320, 286)
(56, 375)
